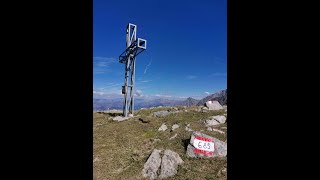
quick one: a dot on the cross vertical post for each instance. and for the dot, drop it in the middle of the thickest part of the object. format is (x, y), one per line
(134, 47)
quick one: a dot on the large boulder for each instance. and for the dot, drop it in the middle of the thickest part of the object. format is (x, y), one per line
(152, 165)
(213, 105)
(213, 146)
(169, 164)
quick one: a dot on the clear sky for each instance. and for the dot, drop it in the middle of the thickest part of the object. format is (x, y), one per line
(186, 52)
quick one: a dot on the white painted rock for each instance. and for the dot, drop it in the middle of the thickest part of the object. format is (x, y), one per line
(152, 165)
(163, 127)
(211, 147)
(213, 105)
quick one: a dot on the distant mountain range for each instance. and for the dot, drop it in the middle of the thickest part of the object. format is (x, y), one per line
(189, 102)
(117, 103)
(106, 104)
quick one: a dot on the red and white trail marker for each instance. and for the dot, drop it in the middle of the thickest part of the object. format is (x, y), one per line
(203, 145)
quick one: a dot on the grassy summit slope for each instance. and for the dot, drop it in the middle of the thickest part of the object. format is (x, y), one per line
(120, 149)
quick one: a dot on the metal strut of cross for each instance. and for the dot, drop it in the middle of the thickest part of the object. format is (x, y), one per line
(128, 57)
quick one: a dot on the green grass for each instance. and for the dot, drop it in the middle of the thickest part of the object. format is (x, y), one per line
(120, 149)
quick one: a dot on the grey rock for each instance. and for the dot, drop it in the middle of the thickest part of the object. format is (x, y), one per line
(216, 130)
(120, 118)
(156, 140)
(205, 108)
(169, 164)
(220, 147)
(130, 115)
(188, 129)
(174, 136)
(209, 129)
(220, 119)
(211, 122)
(213, 105)
(160, 113)
(152, 165)
(96, 159)
(163, 127)
(175, 109)
(175, 126)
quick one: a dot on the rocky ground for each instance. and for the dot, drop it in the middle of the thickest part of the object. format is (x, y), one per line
(122, 148)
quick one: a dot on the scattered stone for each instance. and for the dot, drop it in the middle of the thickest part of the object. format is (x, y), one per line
(174, 108)
(220, 147)
(215, 120)
(185, 110)
(223, 127)
(217, 131)
(161, 113)
(188, 129)
(174, 136)
(156, 140)
(96, 159)
(222, 172)
(163, 127)
(169, 164)
(220, 119)
(188, 125)
(152, 165)
(120, 118)
(205, 108)
(99, 124)
(209, 129)
(175, 126)
(113, 111)
(130, 115)
(144, 121)
(211, 122)
(213, 105)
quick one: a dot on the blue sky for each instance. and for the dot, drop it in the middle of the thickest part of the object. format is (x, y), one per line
(186, 52)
